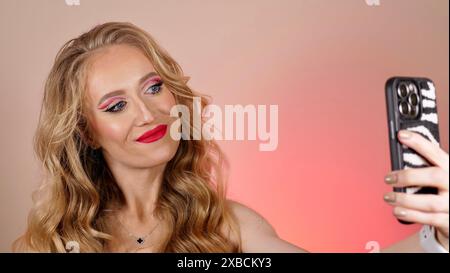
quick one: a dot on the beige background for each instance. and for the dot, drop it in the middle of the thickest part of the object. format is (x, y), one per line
(294, 53)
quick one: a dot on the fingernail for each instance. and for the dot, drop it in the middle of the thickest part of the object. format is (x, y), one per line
(390, 197)
(404, 134)
(390, 178)
(400, 212)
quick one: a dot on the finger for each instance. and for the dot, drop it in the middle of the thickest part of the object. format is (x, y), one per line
(436, 219)
(421, 202)
(423, 177)
(425, 148)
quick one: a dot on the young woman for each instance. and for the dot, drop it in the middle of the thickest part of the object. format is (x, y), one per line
(116, 181)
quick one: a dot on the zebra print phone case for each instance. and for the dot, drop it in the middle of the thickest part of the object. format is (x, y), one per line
(411, 105)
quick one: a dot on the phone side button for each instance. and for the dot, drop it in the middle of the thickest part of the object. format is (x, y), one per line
(391, 126)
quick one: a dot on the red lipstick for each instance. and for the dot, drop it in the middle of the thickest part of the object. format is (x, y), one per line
(153, 135)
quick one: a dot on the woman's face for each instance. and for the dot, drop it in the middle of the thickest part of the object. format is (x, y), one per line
(125, 99)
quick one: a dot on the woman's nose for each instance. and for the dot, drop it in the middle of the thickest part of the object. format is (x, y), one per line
(144, 115)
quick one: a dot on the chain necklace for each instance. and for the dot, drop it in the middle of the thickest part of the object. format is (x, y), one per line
(140, 240)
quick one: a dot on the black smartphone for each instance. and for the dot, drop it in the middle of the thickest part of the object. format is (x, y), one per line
(411, 105)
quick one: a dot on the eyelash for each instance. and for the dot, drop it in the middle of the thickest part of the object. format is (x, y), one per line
(154, 92)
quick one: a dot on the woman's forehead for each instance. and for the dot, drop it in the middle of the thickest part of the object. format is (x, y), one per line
(114, 68)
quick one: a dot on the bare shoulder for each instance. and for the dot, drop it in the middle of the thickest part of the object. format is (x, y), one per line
(257, 234)
(250, 220)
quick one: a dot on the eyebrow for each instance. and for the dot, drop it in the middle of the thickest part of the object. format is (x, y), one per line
(120, 92)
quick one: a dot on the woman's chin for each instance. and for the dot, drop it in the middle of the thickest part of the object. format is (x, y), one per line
(159, 154)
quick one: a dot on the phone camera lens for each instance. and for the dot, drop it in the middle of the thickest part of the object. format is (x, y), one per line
(403, 90)
(413, 112)
(413, 99)
(404, 108)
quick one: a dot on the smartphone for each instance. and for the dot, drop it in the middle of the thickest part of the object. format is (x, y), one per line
(411, 105)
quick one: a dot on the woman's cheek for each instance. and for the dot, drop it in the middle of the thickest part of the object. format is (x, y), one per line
(111, 132)
(167, 102)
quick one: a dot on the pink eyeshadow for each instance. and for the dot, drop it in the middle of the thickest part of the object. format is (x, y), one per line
(107, 102)
(153, 79)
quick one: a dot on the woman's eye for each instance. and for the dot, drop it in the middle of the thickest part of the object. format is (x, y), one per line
(117, 107)
(154, 89)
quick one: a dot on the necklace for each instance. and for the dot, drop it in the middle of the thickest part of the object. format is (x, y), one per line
(140, 240)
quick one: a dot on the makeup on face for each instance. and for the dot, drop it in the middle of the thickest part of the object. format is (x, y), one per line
(152, 80)
(149, 78)
(108, 101)
(153, 135)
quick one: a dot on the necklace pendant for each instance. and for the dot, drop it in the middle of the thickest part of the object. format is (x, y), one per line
(140, 241)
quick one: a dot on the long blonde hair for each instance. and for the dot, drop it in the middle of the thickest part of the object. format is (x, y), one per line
(78, 184)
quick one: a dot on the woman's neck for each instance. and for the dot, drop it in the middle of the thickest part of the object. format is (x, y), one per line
(140, 188)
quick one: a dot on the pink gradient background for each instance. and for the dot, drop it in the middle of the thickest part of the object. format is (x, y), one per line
(324, 63)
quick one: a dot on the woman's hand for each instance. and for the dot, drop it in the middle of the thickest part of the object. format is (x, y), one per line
(428, 209)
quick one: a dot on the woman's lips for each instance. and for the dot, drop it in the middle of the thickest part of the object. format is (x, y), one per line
(153, 134)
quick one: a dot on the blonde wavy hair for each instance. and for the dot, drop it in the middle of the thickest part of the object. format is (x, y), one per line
(78, 186)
